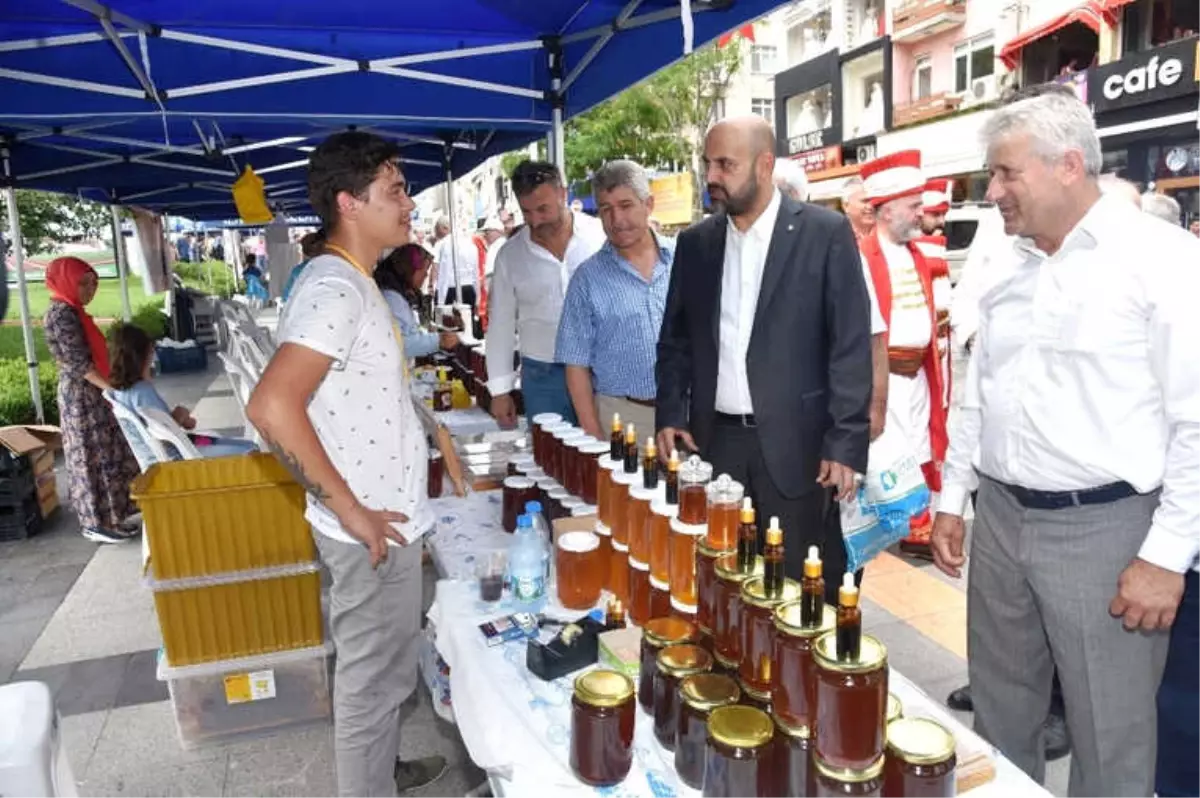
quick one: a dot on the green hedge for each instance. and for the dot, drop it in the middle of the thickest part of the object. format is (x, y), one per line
(16, 403)
(212, 277)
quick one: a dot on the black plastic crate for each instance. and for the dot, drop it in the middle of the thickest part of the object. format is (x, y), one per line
(21, 521)
(16, 490)
(14, 465)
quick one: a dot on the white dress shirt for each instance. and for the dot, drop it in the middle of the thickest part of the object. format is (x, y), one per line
(745, 259)
(1084, 373)
(526, 298)
(489, 263)
(456, 254)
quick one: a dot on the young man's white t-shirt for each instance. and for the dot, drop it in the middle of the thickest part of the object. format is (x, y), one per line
(363, 411)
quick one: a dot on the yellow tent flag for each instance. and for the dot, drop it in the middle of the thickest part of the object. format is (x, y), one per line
(251, 199)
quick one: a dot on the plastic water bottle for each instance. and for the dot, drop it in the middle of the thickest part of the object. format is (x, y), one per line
(527, 568)
(542, 527)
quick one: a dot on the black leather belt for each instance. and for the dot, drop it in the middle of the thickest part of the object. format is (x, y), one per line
(1061, 499)
(736, 420)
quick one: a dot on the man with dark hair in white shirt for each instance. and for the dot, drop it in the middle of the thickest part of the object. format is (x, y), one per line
(1081, 427)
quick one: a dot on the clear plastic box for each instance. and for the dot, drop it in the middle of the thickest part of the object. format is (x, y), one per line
(221, 701)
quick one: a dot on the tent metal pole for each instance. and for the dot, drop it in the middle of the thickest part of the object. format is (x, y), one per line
(122, 261)
(559, 100)
(454, 254)
(18, 252)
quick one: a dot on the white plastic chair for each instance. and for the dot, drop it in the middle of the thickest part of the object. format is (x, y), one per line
(243, 385)
(162, 427)
(146, 448)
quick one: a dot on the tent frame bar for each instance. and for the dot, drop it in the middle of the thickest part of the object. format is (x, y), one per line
(18, 253)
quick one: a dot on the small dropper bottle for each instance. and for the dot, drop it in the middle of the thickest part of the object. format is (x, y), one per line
(673, 478)
(631, 450)
(773, 560)
(747, 542)
(849, 621)
(616, 445)
(650, 465)
(812, 590)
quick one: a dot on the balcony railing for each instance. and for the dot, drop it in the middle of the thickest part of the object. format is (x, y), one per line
(915, 20)
(923, 110)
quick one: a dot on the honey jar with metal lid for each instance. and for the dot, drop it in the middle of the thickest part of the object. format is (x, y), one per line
(699, 694)
(793, 691)
(694, 476)
(737, 755)
(727, 609)
(657, 634)
(851, 702)
(706, 579)
(832, 782)
(757, 624)
(791, 760)
(895, 709)
(674, 664)
(724, 502)
(920, 759)
(602, 723)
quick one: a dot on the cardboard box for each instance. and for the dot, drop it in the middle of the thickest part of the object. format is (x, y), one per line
(32, 443)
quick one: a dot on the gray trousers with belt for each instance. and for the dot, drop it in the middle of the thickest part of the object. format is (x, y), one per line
(1039, 590)
(375, 620)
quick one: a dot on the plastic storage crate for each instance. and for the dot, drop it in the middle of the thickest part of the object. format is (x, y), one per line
(181, 359)
(213, 516)
(222, 701)
(235, 615)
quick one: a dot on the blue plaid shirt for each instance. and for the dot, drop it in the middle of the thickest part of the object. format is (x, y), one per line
(611, 318)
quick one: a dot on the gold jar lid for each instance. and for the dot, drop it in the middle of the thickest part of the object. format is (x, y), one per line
(798, 732)
(670, 631)
(727, 569)
(787, 620)
(754, 592)
(761, 696)
(603, 688)
(895, 709)
(707, 691)
(871, 655)
(872, 771)
(684, 660)
(707, 550)
(740, 726)
(919, 741)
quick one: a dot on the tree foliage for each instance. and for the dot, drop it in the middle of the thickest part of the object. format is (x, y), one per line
(47, 219)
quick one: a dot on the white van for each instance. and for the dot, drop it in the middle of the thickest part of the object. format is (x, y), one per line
(962, 220)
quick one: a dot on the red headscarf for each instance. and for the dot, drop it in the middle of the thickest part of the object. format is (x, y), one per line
(63, 276)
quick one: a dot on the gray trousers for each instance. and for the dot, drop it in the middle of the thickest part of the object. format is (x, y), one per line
(375, 620)
(641, 415)
(1040, 585)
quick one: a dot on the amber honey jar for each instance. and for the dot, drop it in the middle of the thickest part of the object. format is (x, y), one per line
(573, 473)
(794, 690)
(619, 496)
(637, 521)
(727, 609)
(602, 720)
(549, 445)
(605, 469)
(755, 698)
(516, 492)
(618, 572)
(540, 422)
(688, 613)
(851, 703)
(589, 471)
(660, 598)
(694, 476)
(831, 782)
(706, 580)
(724, 497)
(674, 664)
(699, 695)
(737, 756)
(639, 591)
(757, 621)
(920, 761)
(661, 515)
(684, 540)
(579, 569)
(605, 555)
(658, 633)
(557, 460)
(791, 760)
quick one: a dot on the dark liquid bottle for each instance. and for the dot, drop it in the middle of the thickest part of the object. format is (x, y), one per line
(773, 561)
(673, 478)
(650, 465)
(747, 543)
(849, 621)
(631, 450)
(812, 590)
(615, 616)
(617, 441)
(443, 394)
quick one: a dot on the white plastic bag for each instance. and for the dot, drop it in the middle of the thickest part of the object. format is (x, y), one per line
(892, 491)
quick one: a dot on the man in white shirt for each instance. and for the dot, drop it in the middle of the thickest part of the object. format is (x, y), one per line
(456, 267)
(528, 287)
(764, 357)
(335, 406)
(1081, 427)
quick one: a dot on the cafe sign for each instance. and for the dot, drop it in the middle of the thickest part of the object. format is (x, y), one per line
(1147, 77)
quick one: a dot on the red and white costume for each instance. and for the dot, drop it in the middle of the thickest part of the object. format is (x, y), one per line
(903, 281)
(934, 250)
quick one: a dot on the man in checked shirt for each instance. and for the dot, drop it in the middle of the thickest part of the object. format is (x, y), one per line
(614, 307)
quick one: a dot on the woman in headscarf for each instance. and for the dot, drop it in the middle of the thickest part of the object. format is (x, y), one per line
(400, 276)
(100, 465)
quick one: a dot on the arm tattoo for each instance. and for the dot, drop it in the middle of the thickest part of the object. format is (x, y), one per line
(292, 464)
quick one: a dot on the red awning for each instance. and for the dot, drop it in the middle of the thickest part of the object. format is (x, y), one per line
(1093, 13)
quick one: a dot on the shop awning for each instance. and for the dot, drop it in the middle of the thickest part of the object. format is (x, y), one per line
(1093, 13)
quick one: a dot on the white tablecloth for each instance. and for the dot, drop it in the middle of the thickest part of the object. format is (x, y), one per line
(465, 528)
(517, 727)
